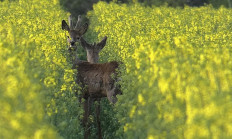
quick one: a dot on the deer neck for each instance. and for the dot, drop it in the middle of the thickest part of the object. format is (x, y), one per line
(92, 57)
(92, 60)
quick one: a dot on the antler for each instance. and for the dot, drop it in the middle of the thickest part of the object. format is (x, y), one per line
(78, 22)
(70, 22)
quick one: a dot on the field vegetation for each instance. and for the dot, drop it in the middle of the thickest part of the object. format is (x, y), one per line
(176, 73)
(178, 69)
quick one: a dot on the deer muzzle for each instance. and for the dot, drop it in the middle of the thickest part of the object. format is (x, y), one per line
(72, 43)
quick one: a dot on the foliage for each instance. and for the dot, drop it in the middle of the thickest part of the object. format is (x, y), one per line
(177, 77)
(77, 7)
(80, 7)
(219, 3)
(37, 83)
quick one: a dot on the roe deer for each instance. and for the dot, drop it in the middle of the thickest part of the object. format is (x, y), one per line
(96, 80)
(92, 51)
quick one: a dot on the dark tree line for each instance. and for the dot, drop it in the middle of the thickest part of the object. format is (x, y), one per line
(80, 7)
(77, 7)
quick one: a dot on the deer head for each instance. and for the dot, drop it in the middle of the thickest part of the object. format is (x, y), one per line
(93, 50)
(76, 32)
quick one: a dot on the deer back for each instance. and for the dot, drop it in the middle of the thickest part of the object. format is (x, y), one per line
(96, 79)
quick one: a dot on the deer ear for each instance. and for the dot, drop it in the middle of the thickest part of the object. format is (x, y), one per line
(83, 29)
(65, 26)
(102, 44)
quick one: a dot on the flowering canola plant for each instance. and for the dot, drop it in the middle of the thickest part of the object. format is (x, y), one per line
(36, 80)
(177, 73)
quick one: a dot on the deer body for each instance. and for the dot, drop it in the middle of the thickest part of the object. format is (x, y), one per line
(97, 81)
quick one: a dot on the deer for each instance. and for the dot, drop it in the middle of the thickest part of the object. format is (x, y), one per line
(93, 51)
(96, 80)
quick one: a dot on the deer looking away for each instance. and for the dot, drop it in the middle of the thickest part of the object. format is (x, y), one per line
(96, 80)
(92, 51)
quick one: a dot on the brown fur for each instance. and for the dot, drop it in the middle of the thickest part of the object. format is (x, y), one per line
(96, 79)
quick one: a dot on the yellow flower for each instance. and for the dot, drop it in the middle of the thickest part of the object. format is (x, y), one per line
(141, 99)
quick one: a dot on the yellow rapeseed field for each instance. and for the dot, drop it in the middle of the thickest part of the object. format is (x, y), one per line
(36, 80)
(177, 79)
(176, 75)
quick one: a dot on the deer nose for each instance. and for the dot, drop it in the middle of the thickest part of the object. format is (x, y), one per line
(72, 42)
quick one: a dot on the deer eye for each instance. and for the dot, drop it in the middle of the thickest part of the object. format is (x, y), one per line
(68, 39)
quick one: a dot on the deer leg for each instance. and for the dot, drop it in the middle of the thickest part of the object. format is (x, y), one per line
(87, 107)
(85, 118)
(98, 109)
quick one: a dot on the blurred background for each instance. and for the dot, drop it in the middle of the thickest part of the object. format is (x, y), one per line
(81, 7)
